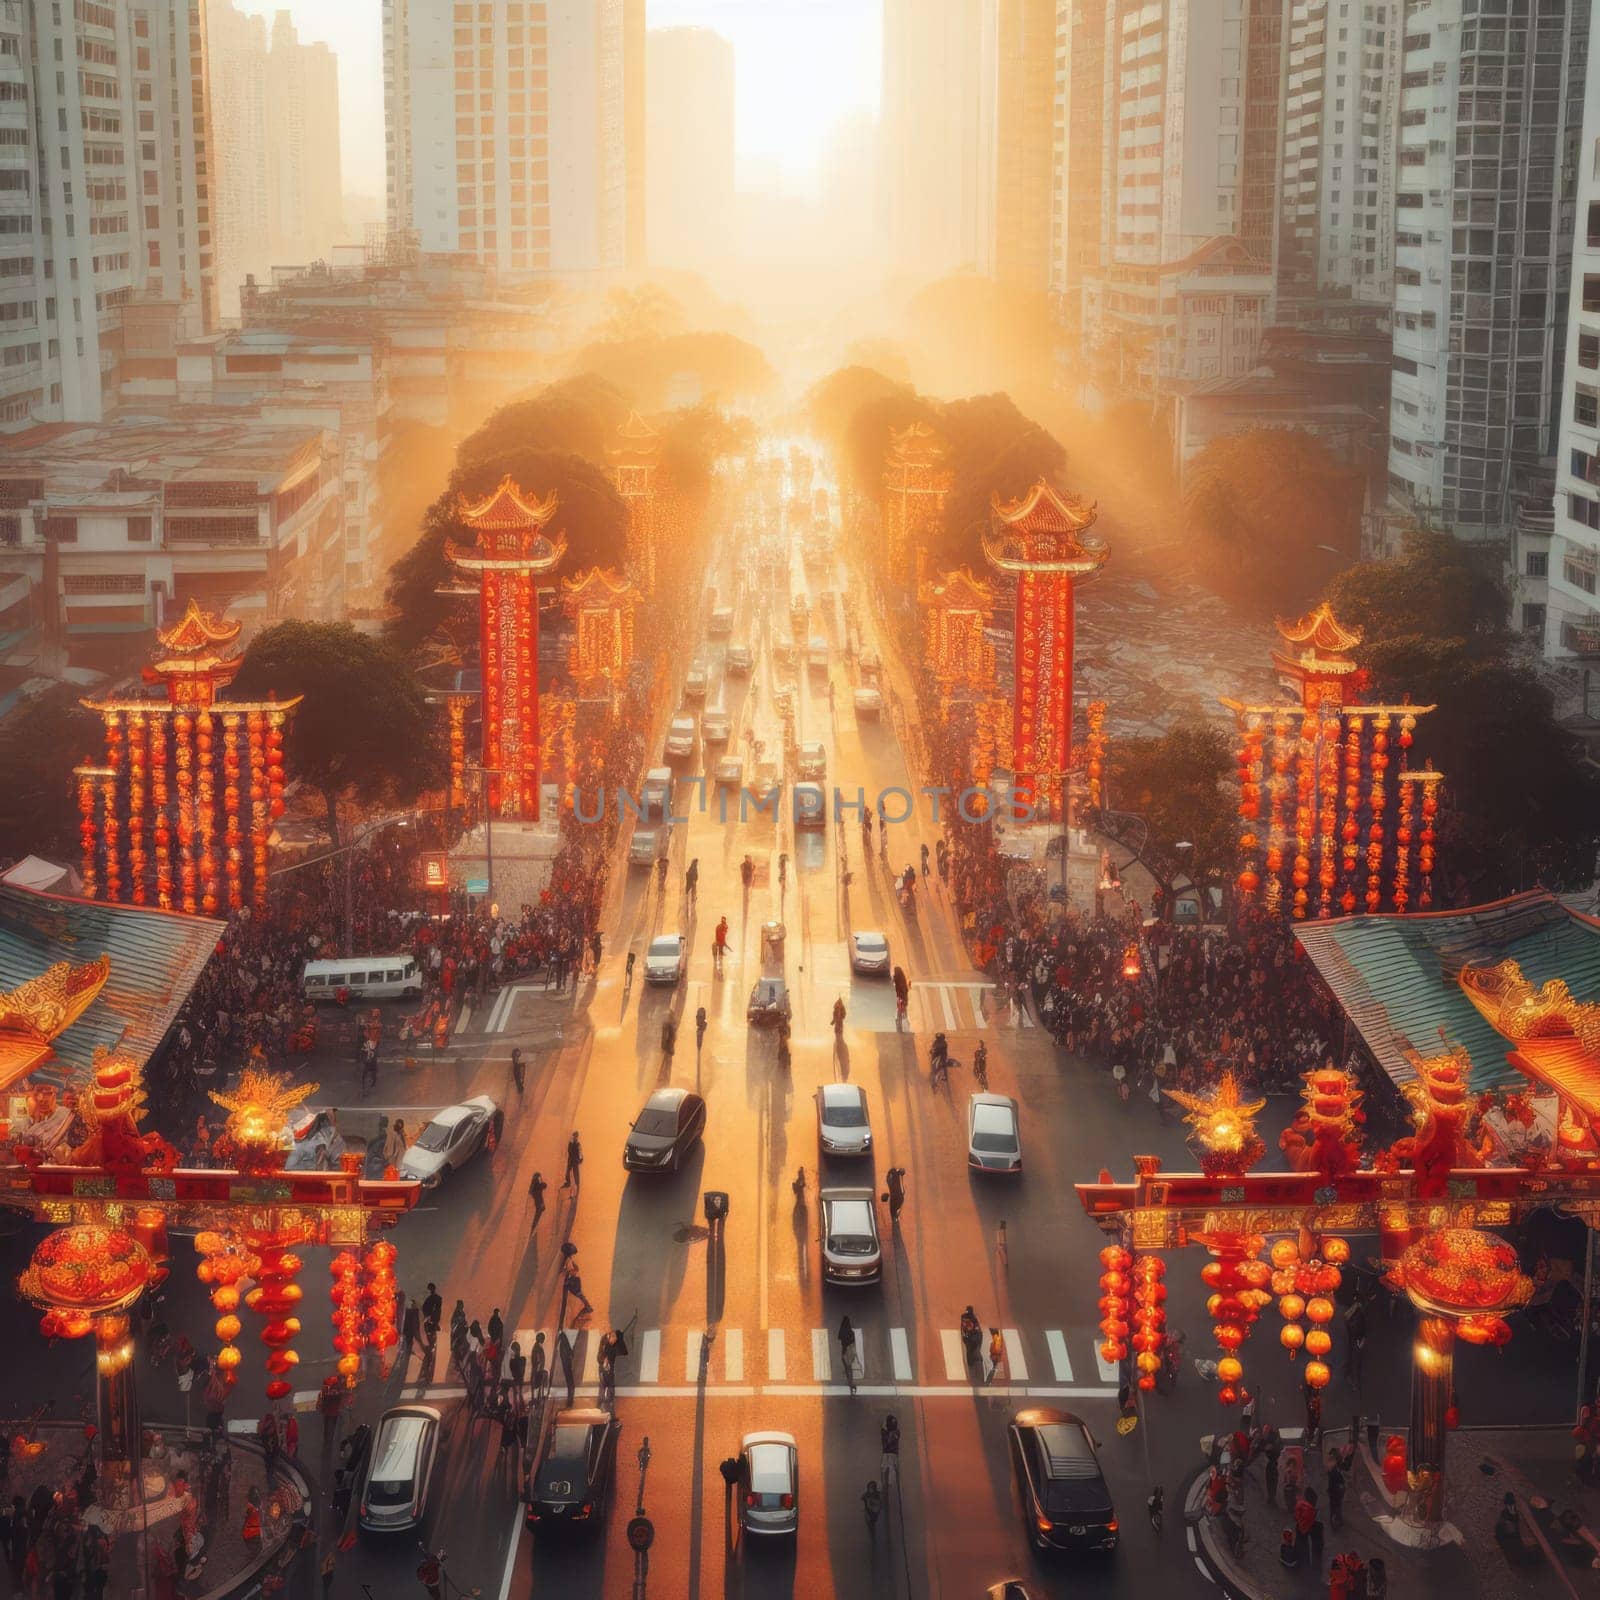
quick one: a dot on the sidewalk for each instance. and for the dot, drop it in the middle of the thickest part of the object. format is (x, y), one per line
(1535, 1465)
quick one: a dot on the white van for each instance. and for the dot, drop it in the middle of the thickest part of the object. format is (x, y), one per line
(363, 977)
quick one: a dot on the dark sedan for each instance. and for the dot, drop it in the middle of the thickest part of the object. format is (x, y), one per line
(1065, 1502)
(665, 1131)
(569, 1484)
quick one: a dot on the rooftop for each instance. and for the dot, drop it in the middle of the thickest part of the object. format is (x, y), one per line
(1397, 976)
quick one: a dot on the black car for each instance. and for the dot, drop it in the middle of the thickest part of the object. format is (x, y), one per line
(1065, 1501)
(665, 1131)
(569, 1484)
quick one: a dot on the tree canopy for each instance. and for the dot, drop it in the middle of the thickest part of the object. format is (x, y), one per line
(831, 403)
(40, 743)
(1269, 511)
(651, 368)
(578, 415)
(1438, 589)
(364, 731)
(694, 439)
(993, 450)
(1179, 784)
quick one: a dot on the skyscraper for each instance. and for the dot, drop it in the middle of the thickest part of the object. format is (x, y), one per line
(129, 133)
(689, 185)
(1490, 111)
(239, 148)
(305, 190)
(507, 129)
(1024, 105)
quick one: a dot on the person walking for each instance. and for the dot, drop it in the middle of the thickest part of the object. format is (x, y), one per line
(564, 1349)
(410, 1329)
(719, 944)
(889, 1455)
(1271, 1449)
(691, 881)
(847, 1351)
(330, 1398)
(1336, 1489)
(729, 1468)
(432, 1311)
(536, 1189)
(538, 1370)
(896, 1179)
(871, 1506)
(997, 1354)
(574, 1162)
(1313, 1401)
(519, 1071)
(669, 1036)
(572, 1285)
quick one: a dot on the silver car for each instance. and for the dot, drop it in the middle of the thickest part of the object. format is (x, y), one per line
(769, 1481)
(394, 1488)
(994, 1139)
(453, 1136)
(769, 1001)
(843, 1127)
(869, 952)
(663, 961)
(851, 1253)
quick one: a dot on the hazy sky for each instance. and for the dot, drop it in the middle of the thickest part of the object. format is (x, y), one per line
(800, 64)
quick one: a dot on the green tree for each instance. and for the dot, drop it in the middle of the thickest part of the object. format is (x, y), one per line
(578, 415)
(1268, 510)
(1437, 589)
(40, 743)
(868, 432)
(694, 439)
(364, 731)
(831, 403)
(1179, 784)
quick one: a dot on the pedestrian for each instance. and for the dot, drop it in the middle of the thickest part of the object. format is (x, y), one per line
(997, 1354)
(250, 1530)
(847, 1351)
(729, 1468)
(691, 881)
(669, 1035)
(1313, 1400)
(215, 1401)
(517, 1367)
(536, 1189)
(889, 1457)
(1336, 1488)
(871, 1505)
(574, 1162)
(267, 1435)
(291, 1437)
(496, 1327)
(1293, 1477)
(897, 1192)
(1001, 1256)
(519, 1071)
(572, 1285)
(564, 1349)
(1247, 1412)
(410, 1328)
(1271, 1449)
(538, 1370)
(1305, 1514)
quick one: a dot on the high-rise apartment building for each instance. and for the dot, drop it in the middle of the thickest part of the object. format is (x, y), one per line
(238, 45)
(508, 127)
(1491, 105)
(689, 118)
(1078, 165)
(1341, 121)
(1024, 102)
(1572, 622)
(104, 192)
(1177, 278)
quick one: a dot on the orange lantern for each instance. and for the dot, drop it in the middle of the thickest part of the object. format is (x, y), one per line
(1319, 1310)
(1292, 1307)
(1291, 1336)
(1336, 1250)
(1318, 1343)
(1317, 1374)
(1230, 1369)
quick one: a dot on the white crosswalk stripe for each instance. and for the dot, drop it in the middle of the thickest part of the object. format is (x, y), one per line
(1016, 1357)
(821, 1355)
(691, 1354)
(1060, 1361)
(733, 1355)
(650, 1356)
(901, 1348)
(955, 1361)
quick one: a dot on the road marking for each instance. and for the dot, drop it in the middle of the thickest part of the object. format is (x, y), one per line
(464, 1021)
(691, 1355)
(1059, 1359)
(949, 1010)
(1027, 1021)
(900, 1346)
(650, 1356)
(733, 1355)
(1016, 1357)
(979, 1020)
(1109, 1371)
(955, 1362)
(514, 1544)
(497, 1012)
(777, 1358)
(821, 1356)
(585, 1364)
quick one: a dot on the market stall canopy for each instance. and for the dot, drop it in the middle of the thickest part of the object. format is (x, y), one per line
(1397, 978)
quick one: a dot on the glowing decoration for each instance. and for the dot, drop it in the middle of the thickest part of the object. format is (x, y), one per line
(916, 482)
(258, 1113)
(1429, 779)
(1291, 1336)
(111, 1109)
(206, 809)
(601, 605)
(1224, 1126)
(1277, 786)
(1149, 1317)
(456, 711)
(42, 1008)
(1324, 1137)
(111, 830)
(350, 1332)
(160, 800)
(1250, 759)
(1115, 1307)
(138, 789)
(379, 1291)
(232, 835)
(512, 554)
(1039, 540)
(88, 837)
(634, 459)
(1235, 1304)
(260, 812)
(183, 760)
(1095, 753)
(1317, 1374)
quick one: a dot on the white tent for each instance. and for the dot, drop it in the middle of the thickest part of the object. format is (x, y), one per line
(34, 872)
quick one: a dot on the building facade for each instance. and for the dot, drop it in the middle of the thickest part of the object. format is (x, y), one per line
(689, 184)
(1490, 116)
(507, 130)
(1024, 100)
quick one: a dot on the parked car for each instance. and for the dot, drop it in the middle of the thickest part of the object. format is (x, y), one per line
(869, 952)
(571, 1482)
(665, 1131)
(729, 772)
(769, 1481)
(765, 783)
(812, 764)
(769, 1001)
(851, 1253)
(394, 1487)
(738, 661)
(452, 1138)
(843, 1127)
(655, 794)
(868, 704)
(694, 686)
(647, 844)
(664, 959)
(680, 738)
(810, 806)
(714, 727)
(994, 1141)
(1065, 1502)
(721, 622)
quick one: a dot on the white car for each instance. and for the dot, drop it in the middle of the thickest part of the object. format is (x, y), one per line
(714, 727)
(648, 844)
(817, 653)
(994, 1138)
(769, 1483)
(729, 772)
(868, 703)
(455, 1135)
(869, 952)
(664, 960)
(394, 1483)
(738, 661)
(810, 806)
(851, 1253)
(694, 686)
(721, 622)
(843, 1127)
(680, 738)
(813, 762)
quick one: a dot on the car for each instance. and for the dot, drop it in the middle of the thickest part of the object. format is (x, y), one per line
(664, 959)
(453, 1137)
(665, 1131)
(655, 794)
(694, 686)
(869, 952)
(843, 1127)
(868, 703)
(783, 651)
(817, 653)
(765, 783)
(649, 844)
(1065, 1502)
(680, 738)
(851, 1253)
(729, 772)
(813, 762)
(721, 624)
(994, 1142)
(769, 1483)
(737, 661)
(714, 727)
(769, 1001)
(810, 806)
(571, 1481)
(394, 1486)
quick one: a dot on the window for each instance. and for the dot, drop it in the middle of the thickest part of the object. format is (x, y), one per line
(1588, 349)
(1538, 564)
(1586, 406)
(139, 530)
(1579, 572)
(1585, 511)
(1532, 618)
(64, 530)
(1591, 291)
